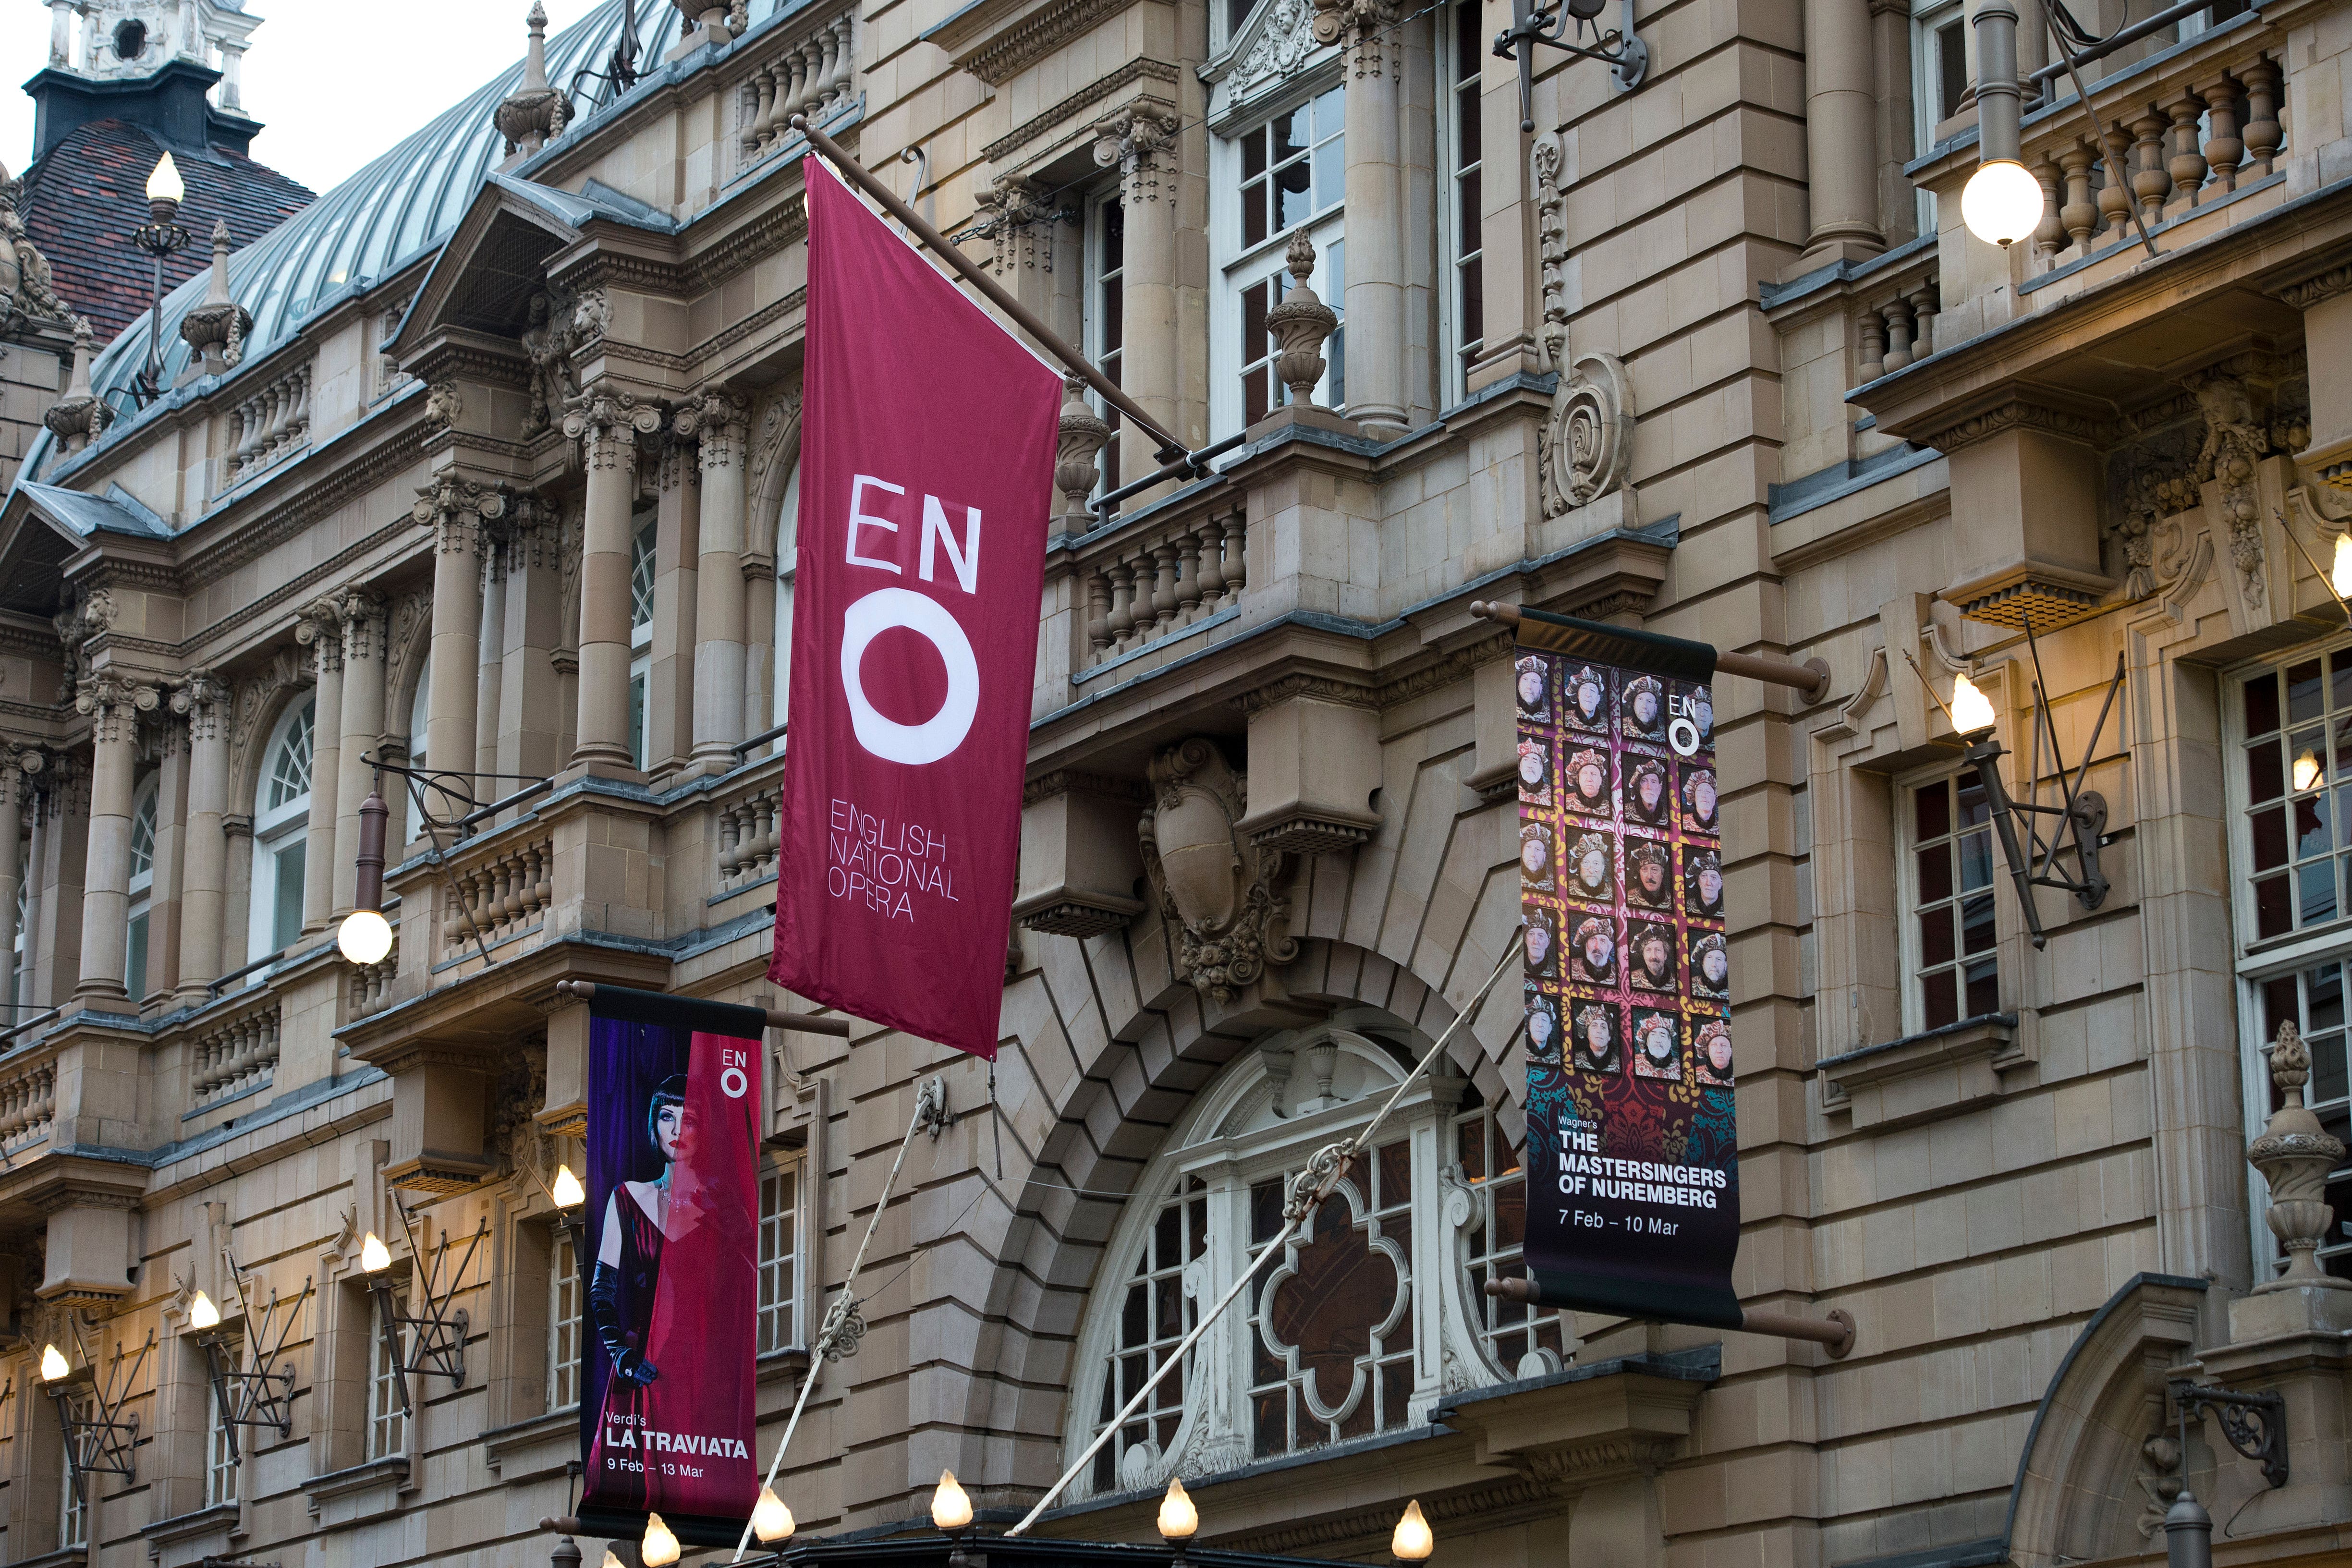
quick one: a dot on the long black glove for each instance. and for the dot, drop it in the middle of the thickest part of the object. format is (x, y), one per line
(604, 1311)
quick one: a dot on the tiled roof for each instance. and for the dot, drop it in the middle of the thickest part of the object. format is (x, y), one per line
(82, 201)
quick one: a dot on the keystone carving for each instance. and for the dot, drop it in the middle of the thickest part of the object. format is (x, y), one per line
(1221, 895)
(2235, 441)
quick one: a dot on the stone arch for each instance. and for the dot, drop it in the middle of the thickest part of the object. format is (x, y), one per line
(2084, 1483)
(261, 697)
(775, 450)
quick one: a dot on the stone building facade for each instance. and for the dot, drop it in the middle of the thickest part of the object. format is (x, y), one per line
(503, 481)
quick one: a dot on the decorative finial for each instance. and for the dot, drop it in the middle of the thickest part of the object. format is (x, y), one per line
(1300, 258)
(81, 416)
(534, 113)
(2291, 1063)
(534, 59)
(2295, 1156)
(1082, 438)
(82, 339)
(1300, 324)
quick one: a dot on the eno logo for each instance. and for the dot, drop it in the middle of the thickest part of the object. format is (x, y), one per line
(887, 608)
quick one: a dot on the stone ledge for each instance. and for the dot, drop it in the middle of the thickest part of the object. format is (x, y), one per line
(394, 1471)
(1923, 1077)
(502, 1446)
(221, 1518)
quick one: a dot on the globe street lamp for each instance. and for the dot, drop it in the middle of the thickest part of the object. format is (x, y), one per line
(161, 236)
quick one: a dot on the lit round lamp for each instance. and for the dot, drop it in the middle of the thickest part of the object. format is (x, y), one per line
(202, 1314)
(365, 936)
(950, 1505)
(1411, 1542)
(54, 1366)
(2002, 202)
(569, 1194)
(165, 189)
(659, 1548)
(1972, 711)
(374, 1256)
(2339, 570)
(1179, 1520)
(771, 1520)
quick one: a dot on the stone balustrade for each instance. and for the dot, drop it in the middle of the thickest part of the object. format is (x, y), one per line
(28, 1105)
(234, 1056)
(371, 985)
(2190, 131)
(501, 890)
(806, 69)
(269, 425)
(1159, 580)
(1894, 319)
(748, 827)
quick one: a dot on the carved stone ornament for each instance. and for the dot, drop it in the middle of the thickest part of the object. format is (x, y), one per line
(1015, 211)
(81, 416)
(1587, 437)
(548, 342)
(216, 330)
(26, 287)
(1222, 895)
(535, 113)
(1082, 435)
(2296, 1154)
(1300, 324)
(1134, 139)
(2235, 443)
(443, 405)
(1285, 37)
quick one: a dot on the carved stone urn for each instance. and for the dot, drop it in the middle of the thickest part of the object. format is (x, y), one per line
(2295, 1154)
(1219, 893)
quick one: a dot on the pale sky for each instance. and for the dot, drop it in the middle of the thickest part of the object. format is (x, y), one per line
(334, 82)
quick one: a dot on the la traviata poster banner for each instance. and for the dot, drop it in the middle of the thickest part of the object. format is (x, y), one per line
(1633, 1157)
(671, 1255)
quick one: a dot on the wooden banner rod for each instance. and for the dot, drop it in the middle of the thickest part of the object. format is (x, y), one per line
(1812, 678)
(1170, 449)
(1835, 1331)
(797, 1023)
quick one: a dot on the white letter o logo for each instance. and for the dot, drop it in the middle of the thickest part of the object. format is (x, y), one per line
(938, 736)
(733, 1084)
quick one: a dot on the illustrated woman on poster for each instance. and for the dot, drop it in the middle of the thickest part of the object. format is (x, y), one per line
(640, 1216)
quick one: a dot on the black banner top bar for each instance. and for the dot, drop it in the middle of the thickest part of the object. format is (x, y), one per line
(1677, 658)
(693, 1013)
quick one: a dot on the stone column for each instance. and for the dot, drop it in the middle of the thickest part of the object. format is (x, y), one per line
(1141, 140)
(532, 706)
(1841, 135)
(322, 630)
(490, 676)
(363, 632)
(719, 421)
(112, 706)
(164, 910)
(16, 763)
(607, 423)
(203, 881)
(670, 651)
(1377, 281)
(455, 509)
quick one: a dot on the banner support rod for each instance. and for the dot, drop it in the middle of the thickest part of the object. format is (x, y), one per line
(1170, 451)
(1309, 1190)
(1812, 678)
(1835, 1332)
(791, 1024)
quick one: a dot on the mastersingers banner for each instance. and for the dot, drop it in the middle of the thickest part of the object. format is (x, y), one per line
(671, 1255)
(1633, 1160)
(926, 463)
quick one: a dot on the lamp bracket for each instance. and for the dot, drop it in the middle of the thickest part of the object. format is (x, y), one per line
(2254, 1424)
(103, 1443)
(1548, 22)
(262, 1395)
(438, 1334)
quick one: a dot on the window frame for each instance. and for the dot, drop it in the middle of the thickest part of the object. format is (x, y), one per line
(645, 558)
(276, 831)
(136, 929)
(73, 1497)
(1908, 897)
(788, 560)
(385, 1427)
(567, 1317)
(794, 1308)
(1098, 202)
(1455, 259)
(1927, 85)
(221, 1460)
(1237, 267)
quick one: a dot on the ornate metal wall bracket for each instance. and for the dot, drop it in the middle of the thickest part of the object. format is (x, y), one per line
(260, 1395)
(101, 1443)
(438, 1334)
(1627, 56)
(2255, 1424)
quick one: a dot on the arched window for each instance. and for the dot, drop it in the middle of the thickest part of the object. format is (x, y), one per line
(788, 534)
(641, 635)
(282, 817)
(142, 889)
(1367, 1319)
(19, 984)
(419, 709)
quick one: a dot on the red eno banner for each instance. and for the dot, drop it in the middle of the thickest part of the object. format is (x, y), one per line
(926, 462)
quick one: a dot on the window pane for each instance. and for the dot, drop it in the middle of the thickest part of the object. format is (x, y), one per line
(135, 966)
(2261, 704)
(1976, 861)
(1932, 811)
(1253, 200)
(2265, 774)
(1943, 999)
(1935, 873)
(1297, 196)
(2274, 913)
(1330, 174)
(2311, 826)
(1984, 988)
(1290, 134)
(1952, 63)
(1977, 934)
(2303, 697)
(1936, 936)
(1331, 113)
(285, 924)
(2269, 838)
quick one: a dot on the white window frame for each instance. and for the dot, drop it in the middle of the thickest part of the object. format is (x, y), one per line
(1239, 266)
(387, 1423)
(1461, 250)
(1907, 883)
(780, 1322)
(645, 557)
(277, 831)
(1927, 83)
(1099, 204)
(137, 948)
(2259, 960)
(788, 564)
(220, 1459)
(73, 1499)
(566, 1319)
(24, 929)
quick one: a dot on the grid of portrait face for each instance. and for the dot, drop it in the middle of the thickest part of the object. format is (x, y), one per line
(1620, 864)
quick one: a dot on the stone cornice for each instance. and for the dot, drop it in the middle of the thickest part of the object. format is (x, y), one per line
(2315, 289)
(1076, 781)
(1073, 107)
(2016, 414)
(1008, 51)
(310, 502)
(1322, 688)
(783, 224)
(1450, 670)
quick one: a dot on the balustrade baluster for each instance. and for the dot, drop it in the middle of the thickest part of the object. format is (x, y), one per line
(2264, 132)
(2080, 216)
(2114, 192)
(1924, 306)
(1212, 566)
(2188, 166)
(1236, 562)
(1098, 615)
(2223, 147)
(1874, 347)
(2150, 180)
(1122, 607)
(1163, 596)
(1188, 579)
(2050, 234)
(1897, 313)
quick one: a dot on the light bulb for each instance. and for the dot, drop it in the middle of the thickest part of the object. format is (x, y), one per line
(374, 1257)
(2002, 204)
(612, 1559)
(2306, 770)
(1411, 1543)
(770, 1519)
(567, 1191)
(365, 936)
(1179, 1520)
(202, 1313)
(660, 1548)
(165, 184)
(951, 1508)
(1971, 709)
(53, 1364)
(2339, 575)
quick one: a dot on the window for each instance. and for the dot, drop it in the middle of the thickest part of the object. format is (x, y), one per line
(1343, 1335)
(2290, 785)
(641, 635)
(387, 1421)
(17, 980)
(73, 1495)
(1287, 173)
(1950, 942)
(420, 708)
(1939, 84)
(779, 1198)
(1464, 234)
(563, 1297)
(220, 1459)
(1105, 311)
(788, 534)
(142, 889)
(281, 819)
